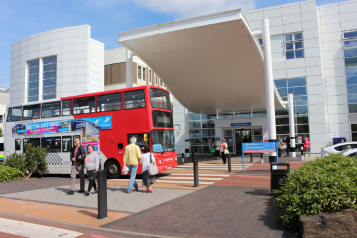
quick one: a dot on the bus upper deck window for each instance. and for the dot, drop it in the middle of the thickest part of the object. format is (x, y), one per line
(66, 108)
(83, 105)
(52, 109)
(160, 99)
(31, 112)
(14, 114)
(109, 102)
(134, 99)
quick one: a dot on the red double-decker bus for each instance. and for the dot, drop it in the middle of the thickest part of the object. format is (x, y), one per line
(105, 119)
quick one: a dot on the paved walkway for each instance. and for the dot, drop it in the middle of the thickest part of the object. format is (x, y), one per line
(224, 205)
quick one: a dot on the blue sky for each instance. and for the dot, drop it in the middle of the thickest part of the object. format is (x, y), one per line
(22, 18)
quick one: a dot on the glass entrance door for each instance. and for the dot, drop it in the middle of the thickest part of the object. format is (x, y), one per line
(229, 136)
(242, 136)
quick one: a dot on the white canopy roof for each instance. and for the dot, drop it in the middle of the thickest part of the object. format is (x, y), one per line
(210, 63)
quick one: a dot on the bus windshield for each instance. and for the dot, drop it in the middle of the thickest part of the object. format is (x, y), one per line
(162, 119)
(160, 99)
(162, 140)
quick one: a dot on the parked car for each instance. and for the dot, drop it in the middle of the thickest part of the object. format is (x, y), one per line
(338, 148)
(351, 153)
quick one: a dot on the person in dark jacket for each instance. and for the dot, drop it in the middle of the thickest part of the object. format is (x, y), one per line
(78, 155)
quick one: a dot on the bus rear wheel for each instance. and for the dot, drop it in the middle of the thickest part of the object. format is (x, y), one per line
(113, 169)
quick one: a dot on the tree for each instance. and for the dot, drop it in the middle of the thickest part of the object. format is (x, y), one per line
(35, 160)
(1, 134)
(16, 161)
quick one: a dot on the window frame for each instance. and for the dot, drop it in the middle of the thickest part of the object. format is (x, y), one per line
(106, 95)
(91, 109)
(293, 42)
(44, 144)
(32, 106)
(124, 105)
(16, 144)
(60, 109)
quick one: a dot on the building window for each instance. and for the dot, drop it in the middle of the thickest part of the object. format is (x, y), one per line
(156, 79)
(350, 50)
(150, 76)
(144, 74)
(49, 77)
(261, 42)
(139, 72)
(1, 119)
(294, 46)
(354, 132)
(33, 80)
(298, 87)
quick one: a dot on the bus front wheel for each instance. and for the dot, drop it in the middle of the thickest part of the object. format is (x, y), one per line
(113, 169)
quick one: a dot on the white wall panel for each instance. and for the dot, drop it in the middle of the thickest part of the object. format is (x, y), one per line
(277, 48)
(337, 109)
(313, 80)
(279, 74)
(349, 16)
(276, 30)
(337, 99)
(312, 52)
(327, 20)
(289, 19)
(308, 6)
(336, 81)
(290, 10)
(337, 90)
(278, 56)
(296, 72)
(317, 128)
(334, 36)
(316, 118)
(334, 63)
(277, 39)
(335, 72)
(315, 90)
(350, 25)
(294, 27)
(339, 127)
(338, 118)
(327, 11)
(310, 34)
(309, 25)
(296, 63)
(313, 61)
(333, 54)
(254, 15)
(312, 71)
(276, 21)
(315, 100)
(272, 12)
(279, 65)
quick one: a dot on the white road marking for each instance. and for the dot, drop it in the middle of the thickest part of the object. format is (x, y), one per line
(208, 175)
(201, 178)
(189, 182)
(27, 229)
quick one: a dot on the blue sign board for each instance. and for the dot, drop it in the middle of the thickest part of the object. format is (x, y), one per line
(241, 124)
(259, 147)
(218, 138)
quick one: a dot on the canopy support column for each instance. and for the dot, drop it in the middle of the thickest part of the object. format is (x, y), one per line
(269, 85)
(292, 125)
(129, 69)
(187, 140)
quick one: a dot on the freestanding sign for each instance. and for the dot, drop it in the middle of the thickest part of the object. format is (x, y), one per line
(259, 147)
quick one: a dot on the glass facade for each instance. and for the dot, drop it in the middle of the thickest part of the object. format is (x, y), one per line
(298, 87)
(49, 77)
(350, 50)
(202, 126)
(33, 80)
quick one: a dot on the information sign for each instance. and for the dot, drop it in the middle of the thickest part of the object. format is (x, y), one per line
(241, 124)
(259, 147)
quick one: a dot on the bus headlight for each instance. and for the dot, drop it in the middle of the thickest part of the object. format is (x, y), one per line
(159, 161)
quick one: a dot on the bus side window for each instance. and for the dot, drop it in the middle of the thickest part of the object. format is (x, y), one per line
(134, 99)
(66, 108)
(31, 112)
(142, 139)
(14, 114)
(1, 146)
(66, 143)
(17, 144)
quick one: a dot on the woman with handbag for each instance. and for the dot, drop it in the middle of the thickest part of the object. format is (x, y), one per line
(92, 165)
(224, 150)
(217, 149)
(148, 180)
(306, 146)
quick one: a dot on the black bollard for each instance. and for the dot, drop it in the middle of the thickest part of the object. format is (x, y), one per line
(102, 194)
(229, 163)
(302, 153)
(195, 170)
(251, 158)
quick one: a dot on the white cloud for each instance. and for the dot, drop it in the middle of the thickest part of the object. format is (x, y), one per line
(192, 8)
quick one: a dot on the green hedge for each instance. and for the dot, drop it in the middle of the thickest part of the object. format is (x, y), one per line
(8, 174)
(327, 184)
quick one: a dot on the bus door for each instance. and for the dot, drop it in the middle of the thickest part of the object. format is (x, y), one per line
(142, 139)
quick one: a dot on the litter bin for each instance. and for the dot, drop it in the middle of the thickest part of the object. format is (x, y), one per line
(277, 175)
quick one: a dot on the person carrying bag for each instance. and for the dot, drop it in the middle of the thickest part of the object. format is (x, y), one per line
(149, 169)
(224, 150)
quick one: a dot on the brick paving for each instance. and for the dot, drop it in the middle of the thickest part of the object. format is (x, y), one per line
(215, 211)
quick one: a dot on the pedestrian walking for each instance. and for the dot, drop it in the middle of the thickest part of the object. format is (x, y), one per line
(77, 156)
(132, 155)
(92, 166)
(223, 147)
(148, 180)
(306, 146)
(217, 149)
(287, 143)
